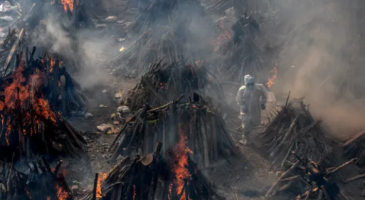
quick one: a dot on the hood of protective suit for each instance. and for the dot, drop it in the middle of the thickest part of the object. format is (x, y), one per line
(248, 79)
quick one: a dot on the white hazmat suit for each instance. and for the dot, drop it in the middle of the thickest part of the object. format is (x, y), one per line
(251, 98)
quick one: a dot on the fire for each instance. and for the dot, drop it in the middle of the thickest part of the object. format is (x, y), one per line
(221, 43)
(61, 193)
(101, 179)
(134, 192)
(18, 94)
(181, 152)
(23, 99)
(271, 80)
(52, 63)
(68, 5)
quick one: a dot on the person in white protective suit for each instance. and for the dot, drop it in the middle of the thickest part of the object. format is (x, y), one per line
(251, 98)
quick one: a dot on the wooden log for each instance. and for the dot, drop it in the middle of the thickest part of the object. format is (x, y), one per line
(12, 51)
(341, 166)
(281, 177)
(95, 185)
(354, 138)
(355, 178)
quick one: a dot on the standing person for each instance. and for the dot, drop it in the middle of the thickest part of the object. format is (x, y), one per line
(251, 98)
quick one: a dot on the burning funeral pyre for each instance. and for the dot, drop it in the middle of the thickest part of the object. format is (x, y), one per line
(154, 177)
(295, 129)
(29, 125)
(164, 83)
(37, 180)
(206, 132)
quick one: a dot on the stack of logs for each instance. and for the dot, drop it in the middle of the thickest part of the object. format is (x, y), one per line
(37, 181)
(308, 179)
(294, 129)
(206, 131)
(164, 83)
(153, 177)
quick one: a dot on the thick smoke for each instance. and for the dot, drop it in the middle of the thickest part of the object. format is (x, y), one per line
(317, 59)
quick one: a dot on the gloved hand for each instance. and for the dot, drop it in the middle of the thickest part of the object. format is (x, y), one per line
(263, 107)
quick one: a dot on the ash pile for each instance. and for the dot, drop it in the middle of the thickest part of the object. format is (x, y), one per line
(167, 102)
(164, 31)
(154, 177)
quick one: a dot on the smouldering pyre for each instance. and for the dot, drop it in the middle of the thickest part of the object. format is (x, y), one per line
(37, 181)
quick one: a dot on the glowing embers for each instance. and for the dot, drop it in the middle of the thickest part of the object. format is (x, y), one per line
(101, 179)
(221, 44)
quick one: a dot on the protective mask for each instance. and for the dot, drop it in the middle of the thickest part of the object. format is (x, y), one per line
(250, 86)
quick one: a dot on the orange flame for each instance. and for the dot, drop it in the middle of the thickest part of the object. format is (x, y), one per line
(52, 62)
(68, 5)
(17, 94)
(271, 80)
(180, 164)
(101, 179)
(134, 192)
(22, 96)
(221, 43)
(61, 193)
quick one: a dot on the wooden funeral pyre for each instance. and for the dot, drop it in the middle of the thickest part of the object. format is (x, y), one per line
(164, 83)
(295, 129)
(245, 52)
(308, 180)
(167, 42)
(161, 11)
(205, 130)
(56, 84)
(36, 180)
(28, 125)
(154, 177)
(163, 32)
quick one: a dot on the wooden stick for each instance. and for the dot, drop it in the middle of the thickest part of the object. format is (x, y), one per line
(341, 166)
(95, 185)
(12, 51)
(354, 178)
(281, 177)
